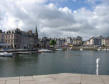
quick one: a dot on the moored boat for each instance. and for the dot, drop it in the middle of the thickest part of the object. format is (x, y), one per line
(59, 49)
(44, 50)
(6, 54)
(99, 49)
(81, 49)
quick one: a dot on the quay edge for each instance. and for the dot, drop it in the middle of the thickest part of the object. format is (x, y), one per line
(62, 78)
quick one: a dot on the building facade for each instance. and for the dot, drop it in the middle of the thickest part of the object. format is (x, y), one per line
(2, 40)
(44, 42)
(3, 44)
(68, 41)
(77, 41)
(105, 42)
(94, 41)
(60, 42)
(21, 40)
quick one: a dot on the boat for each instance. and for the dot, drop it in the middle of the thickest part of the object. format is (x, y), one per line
(44, 50)
(104, 49)
(107, 49)
(59, 49)
(81, 49)
(6, 54)
(98, 49)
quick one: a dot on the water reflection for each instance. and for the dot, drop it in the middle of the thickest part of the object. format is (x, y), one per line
(55, 62)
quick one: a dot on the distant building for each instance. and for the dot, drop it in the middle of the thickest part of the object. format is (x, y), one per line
(2, 37)
(60, 42)
(21, 40)
(44, 42)
(94, 41)
(86, 43)
(105, 41)
(77, 41)
(68, 41)
(3, 44)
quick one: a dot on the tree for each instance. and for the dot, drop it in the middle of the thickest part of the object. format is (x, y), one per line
(53, 42)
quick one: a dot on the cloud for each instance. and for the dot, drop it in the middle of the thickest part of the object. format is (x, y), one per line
(53, 21)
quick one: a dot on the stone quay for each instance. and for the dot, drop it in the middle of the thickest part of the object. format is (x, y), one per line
(62, 78)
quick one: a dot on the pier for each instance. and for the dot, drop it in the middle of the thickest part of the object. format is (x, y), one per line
(62, 78)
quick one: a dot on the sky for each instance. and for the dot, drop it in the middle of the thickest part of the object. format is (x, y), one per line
(56, 18)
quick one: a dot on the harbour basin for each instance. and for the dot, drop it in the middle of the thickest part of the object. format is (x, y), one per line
(81, 62)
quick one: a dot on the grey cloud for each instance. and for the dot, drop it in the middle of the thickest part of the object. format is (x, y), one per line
(53, 21)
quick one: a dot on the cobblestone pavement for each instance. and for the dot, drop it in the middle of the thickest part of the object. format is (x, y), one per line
(63, 78)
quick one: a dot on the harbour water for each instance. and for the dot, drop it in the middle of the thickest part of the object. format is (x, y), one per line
(83, 62)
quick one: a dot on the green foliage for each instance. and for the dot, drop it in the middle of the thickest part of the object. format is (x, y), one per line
(53, 42)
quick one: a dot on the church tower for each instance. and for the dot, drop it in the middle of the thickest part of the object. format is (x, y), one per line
(36, 32)
(36, 37)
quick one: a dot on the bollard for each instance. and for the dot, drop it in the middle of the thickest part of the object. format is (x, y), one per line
(97, 66)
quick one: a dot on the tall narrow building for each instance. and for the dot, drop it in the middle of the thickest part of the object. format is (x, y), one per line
(36, 37)
(36, 32)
